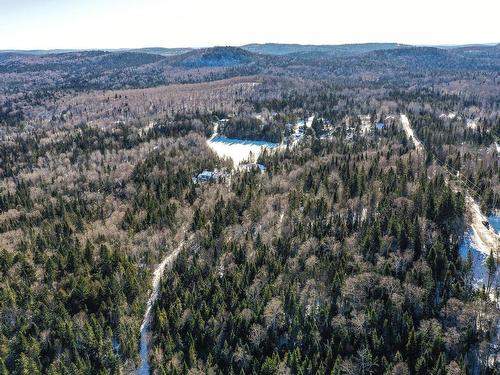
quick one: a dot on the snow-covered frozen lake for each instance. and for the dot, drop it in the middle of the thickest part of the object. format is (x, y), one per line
(239, 150)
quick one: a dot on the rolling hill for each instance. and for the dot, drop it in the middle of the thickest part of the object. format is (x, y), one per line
(214, 57)
(332, 50)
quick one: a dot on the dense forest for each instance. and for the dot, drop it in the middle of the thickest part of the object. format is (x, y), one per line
(341, 256)
(340, 279)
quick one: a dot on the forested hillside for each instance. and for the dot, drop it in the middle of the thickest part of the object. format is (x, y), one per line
(338, 251)
(341, 260)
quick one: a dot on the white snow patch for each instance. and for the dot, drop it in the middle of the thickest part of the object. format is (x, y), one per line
(409, 132)
(309, 121)
(449, 116)
(471, 124)
(483, 238)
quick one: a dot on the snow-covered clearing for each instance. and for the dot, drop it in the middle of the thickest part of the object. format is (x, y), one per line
(479, 258)
(483, 238)
(409, 132)
(239, 150)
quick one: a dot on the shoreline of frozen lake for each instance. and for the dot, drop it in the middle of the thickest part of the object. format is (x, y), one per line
(239, 150)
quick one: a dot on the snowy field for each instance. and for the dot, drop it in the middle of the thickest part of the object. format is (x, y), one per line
(239, 150)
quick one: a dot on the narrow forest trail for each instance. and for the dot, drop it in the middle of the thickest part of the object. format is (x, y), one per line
(144, 368)
(484, 238)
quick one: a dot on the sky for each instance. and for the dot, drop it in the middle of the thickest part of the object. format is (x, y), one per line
(92, 24)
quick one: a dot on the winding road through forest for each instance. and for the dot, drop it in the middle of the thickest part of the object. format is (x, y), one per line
(144, 368)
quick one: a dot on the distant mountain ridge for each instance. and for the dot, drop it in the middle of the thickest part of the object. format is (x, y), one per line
(273, 49)
(150, 50)
(334, 50)
(90, 60)
(263, 49)
(214, 57)
(160, 51)
(146, 67)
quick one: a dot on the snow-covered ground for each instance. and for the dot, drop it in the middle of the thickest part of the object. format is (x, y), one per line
(409, 132)
(146, 323)
(365, 123)
(216, 130)
(471, 124)
(484, 239)
(309, 121)
(480, 274)
(299, 130)
(479, 257)
(239, 150)
(449, 116)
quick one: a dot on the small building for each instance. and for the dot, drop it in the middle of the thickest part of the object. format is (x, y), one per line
(379, 125)
(208, 176)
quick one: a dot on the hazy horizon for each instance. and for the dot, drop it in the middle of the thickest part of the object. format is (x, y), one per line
(129, 24)
(239, 46)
